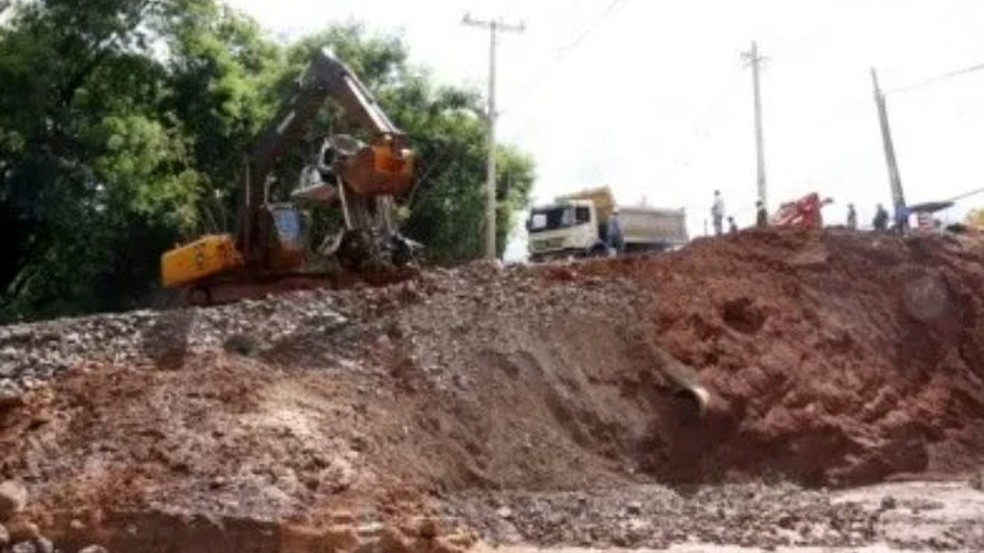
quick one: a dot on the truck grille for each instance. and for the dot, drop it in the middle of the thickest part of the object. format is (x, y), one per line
(545, 245)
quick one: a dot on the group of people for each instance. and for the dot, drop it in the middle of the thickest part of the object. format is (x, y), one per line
(717, 216)
(880, 222)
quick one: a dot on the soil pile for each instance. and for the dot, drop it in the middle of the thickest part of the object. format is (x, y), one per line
(838, 358)
(833, 358)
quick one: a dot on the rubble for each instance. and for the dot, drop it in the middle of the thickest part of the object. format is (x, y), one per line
(523, 403)
(13, 499)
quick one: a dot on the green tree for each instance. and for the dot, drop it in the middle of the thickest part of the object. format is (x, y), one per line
(123, 129)
(975, 218)
(78, 107)
(447, 129)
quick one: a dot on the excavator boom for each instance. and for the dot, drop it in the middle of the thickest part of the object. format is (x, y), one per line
(361, 178)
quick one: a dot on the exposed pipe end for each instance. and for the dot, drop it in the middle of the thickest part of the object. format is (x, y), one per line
(697, 399)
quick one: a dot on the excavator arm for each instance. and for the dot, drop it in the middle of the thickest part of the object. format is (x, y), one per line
(361, 177)
(382, 168)
(326, 77)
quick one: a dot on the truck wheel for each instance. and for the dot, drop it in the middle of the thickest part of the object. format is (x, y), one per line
(598, 250)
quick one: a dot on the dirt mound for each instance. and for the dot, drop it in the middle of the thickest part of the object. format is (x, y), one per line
(833, 358)
(837, 358)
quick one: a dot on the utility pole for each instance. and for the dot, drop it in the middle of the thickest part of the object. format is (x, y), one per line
(894, 180)
(494, 27)
(753, 59)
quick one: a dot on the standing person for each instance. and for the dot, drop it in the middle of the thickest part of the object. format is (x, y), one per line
(732, 227)
(761, 217)
(881, 219)
(615, 239)
(902, 218)
(717, 213)
(852, 217)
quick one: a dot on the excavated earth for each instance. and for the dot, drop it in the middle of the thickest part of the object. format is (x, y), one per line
(522, 407)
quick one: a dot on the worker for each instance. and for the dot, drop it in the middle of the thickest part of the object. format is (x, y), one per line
(852, 217)
(881, 219)
(732, 227)
(761, 217)
(717, 213)
(616, 241)
(902, 214)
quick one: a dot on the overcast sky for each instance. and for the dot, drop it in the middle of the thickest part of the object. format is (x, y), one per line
(650, 97)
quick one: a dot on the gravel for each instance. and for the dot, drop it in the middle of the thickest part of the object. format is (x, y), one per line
(31, 354)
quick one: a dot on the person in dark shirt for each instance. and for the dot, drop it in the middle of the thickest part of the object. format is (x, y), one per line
(902, 214)
(616, 240)
(881, 219)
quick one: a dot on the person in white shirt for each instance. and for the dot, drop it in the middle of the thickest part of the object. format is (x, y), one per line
(717, 213)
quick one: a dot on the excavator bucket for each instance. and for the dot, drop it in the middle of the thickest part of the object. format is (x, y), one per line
(380, 170)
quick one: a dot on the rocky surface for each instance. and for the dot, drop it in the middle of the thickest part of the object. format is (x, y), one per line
(18, 533)
(511, 399)
(916, 516)
(31, 354)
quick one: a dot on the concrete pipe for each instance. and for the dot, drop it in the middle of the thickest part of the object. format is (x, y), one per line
(686, 384)
(696, 400)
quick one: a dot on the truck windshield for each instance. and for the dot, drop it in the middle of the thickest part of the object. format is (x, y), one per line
(554, 218)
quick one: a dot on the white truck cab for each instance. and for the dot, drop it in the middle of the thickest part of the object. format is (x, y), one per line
(569, 227)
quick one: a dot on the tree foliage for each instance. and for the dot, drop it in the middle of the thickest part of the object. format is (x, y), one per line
(123, 128)
(975, 218)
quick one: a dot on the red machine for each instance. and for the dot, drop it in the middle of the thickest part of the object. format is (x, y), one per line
(803, 213)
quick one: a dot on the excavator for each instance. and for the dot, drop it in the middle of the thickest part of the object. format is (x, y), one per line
(360, 178)
(804, 213)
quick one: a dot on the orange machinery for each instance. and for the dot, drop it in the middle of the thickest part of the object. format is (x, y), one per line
(805, 212)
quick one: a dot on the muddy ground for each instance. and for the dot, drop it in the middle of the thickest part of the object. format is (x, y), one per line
(521, 406)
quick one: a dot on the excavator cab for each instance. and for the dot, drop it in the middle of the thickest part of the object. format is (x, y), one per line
(287, 240)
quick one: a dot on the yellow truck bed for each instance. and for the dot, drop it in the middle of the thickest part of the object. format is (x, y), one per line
(602, 198)
(210, 255)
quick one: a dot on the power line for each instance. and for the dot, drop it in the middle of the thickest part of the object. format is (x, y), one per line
(560, 54)
(965, 195)
(701, 129)
(610, 9)
(936, 79)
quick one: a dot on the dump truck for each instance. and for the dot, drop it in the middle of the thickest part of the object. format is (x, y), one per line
(576, 225)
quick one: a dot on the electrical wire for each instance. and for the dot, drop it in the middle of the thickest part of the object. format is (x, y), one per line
(936, 79)
(613, 7)
(579, 35)
(702, 129)
(966, 195)
(582, 31)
